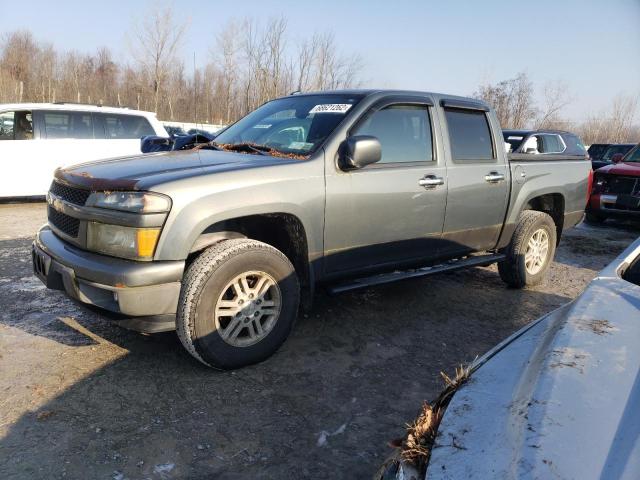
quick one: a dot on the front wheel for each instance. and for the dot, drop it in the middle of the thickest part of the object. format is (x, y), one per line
(238, 303)
(531, 250)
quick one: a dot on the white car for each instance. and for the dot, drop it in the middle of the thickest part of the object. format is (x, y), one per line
(36, 138)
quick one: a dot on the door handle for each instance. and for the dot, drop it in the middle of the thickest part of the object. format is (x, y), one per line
(494, 177)
(430, 181)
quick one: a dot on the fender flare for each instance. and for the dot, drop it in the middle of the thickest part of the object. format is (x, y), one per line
(207, 239)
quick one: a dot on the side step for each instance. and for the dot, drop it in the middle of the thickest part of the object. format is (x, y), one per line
(475, 261)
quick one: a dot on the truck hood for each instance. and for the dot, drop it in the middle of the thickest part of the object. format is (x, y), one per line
(558, 399)
(631, 169)
(142, 172)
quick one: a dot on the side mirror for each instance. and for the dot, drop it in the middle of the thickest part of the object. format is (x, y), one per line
(359, 151)
(617, 158)
(152, 143)
(531, 150)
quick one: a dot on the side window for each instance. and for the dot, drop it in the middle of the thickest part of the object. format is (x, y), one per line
(469, 134)
(60, 124)
(126, 126)
(404, 132)
(551, 144)
(16, 125)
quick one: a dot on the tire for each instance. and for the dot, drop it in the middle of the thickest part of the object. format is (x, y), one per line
(594, 218)
(222, 321)
(518, 271)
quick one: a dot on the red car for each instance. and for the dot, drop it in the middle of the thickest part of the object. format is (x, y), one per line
(616, 189)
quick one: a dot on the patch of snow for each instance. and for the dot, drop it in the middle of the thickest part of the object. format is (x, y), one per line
(163, 468)
(324, 435)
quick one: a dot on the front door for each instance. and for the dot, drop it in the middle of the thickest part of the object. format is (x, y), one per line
(392, 211)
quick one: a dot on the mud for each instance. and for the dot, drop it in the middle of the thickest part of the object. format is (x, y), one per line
(82, 398)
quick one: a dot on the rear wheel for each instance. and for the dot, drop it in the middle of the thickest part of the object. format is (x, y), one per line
(530, 251)
(238, 303)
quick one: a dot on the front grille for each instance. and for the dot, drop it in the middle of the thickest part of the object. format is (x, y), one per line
(66, 224)
(617, 184)
(73, 195)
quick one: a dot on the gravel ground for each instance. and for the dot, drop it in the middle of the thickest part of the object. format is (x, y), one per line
(80, 398)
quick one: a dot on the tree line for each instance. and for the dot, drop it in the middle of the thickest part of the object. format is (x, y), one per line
(250, 63)
(515, 105)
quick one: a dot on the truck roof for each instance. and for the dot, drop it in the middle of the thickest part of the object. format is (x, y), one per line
(365, 92)
(525, 132)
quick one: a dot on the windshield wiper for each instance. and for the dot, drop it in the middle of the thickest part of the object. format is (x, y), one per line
(210, 146)
(259, 149)
(247, 147)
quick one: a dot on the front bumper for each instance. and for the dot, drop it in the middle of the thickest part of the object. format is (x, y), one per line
(146, 291)
(614, 205)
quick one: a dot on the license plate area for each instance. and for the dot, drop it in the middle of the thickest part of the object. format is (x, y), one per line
(627, 202)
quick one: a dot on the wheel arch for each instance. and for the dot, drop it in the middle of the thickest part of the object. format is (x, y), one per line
(283, 231)
(553, 204)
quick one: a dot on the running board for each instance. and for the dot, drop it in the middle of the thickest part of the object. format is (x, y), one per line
(476, 261)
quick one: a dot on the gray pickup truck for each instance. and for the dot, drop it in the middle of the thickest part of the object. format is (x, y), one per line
(342, 189)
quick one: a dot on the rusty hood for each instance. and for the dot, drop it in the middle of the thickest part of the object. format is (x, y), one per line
(142, 172)
(559, 399)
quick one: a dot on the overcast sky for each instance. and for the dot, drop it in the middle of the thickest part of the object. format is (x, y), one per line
(591, 45)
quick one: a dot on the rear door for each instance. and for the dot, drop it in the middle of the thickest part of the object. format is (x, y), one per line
(478, 178)
(67, 137)
(384, 214)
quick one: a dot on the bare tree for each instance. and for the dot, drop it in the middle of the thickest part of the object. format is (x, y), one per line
(614, 125)
(251, 62)
(307, 51)
(227, 58)
(155, 48)
(556, 98)
(512, 100)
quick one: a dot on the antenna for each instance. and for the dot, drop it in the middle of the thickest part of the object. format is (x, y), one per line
(195, 92)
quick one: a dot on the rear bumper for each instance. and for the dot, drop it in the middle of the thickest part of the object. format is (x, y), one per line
(146, 291)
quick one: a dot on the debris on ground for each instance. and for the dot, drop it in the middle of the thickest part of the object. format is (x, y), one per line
(409, 460)
(44, 414)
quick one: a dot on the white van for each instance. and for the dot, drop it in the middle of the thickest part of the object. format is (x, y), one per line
(36, 138)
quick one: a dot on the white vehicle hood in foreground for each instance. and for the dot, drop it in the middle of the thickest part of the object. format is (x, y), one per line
(558, 400)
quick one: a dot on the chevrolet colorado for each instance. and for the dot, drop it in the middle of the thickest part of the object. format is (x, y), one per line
(342, 189)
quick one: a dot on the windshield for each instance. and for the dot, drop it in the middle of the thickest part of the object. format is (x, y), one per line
(611, 151)
(295, 125)
(633, 155)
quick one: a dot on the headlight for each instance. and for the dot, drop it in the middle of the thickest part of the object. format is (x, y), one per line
(600, 184)
(136, 202)
(124, 242)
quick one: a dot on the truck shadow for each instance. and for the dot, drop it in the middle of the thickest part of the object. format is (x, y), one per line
(108, 403)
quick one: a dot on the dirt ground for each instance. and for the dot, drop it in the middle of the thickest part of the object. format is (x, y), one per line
(81, 398)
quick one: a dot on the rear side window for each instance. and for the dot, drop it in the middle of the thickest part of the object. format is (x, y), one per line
(78, 125)
(469, 134)
(551, 144)
(16, 125)
(126, 126)
(574, 144)
(404, 132)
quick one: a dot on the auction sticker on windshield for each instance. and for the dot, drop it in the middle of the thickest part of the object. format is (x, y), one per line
(331, 108)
